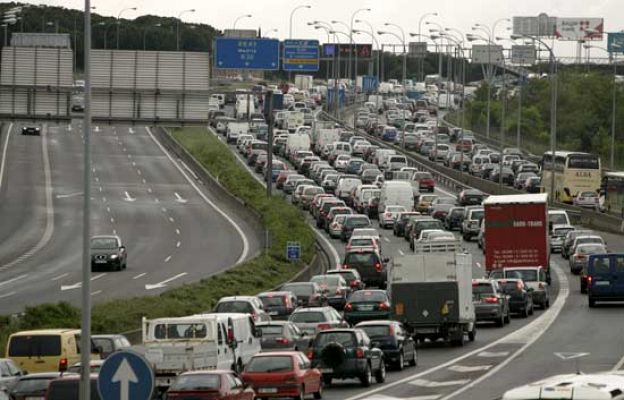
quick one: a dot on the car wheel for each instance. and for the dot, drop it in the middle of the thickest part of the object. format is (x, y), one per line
(501, 321)
(380, 376)
(367, 377)
(301, 395)
(592, 302)
(319, 393)
(472, 334)
(414, 361)
(401, 363)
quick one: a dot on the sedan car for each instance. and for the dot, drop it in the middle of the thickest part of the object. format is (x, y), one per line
(204, 384)
(243, 304)
(31, 130)
(108, 251)
(388, 215)
(312, 320)
(520, 299)
(471, 197)
(489, 302)
(282, 335)
(401, 221)
(557, 236)
(366, 305)
(33, 386)
(285, 374)
(278, 304)
(351, 276)
(578, 260)
(587, 200)
(334, 288)
(391, 337)
(308, 294)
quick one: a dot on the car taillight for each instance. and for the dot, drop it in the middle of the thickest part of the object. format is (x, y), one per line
(388, 215)
(491, 300)
(62, 365)
(355, 283)
(384, 306)
(282, 340)
(391, 329)
(580, 257)
(589, 281)
(322, 327)
(359, 352)
(310, 354)
(378, 267)
(348, 307)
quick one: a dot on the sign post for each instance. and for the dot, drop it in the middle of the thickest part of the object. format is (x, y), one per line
(301, 55)
(126, 375)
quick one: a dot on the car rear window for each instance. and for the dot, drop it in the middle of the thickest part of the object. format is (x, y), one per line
(197, 382)
(270, 364)
(103, 243)
(306, 317)
(368, 295)
(271, 329)
(35, 346)
(482, 288)
(64, 389)
(268, 301)
(347, 339)
(299, 290)
(429, 225)
(234, 307)
(527, 275)
(363, 242)
(476, 214)
(374, 331)
(368, 258)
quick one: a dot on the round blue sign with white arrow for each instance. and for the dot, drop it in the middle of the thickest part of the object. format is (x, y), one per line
(126, 375)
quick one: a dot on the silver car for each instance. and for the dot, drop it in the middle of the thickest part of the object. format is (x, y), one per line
(557, 236)
(578, 260)
(312, 320)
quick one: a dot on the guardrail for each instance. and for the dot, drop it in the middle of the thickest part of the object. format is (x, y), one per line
(457, 181)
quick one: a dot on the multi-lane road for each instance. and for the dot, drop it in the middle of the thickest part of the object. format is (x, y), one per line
(174, 230)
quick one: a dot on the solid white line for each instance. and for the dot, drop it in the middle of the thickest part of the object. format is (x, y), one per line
(434, 384)
(139, 275)
(619, 364)
(386, 239)
(96, 292)
(2, 296)
(60, 276)
(238, 229)
(401, 252)
(96, 277)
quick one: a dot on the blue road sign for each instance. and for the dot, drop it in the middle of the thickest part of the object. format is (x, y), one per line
(126, 375)
(293, 251)
(242, 53)
(301, 55)
(615, 42)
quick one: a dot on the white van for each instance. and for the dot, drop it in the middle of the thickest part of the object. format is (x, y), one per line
(381, 156)
(294, 119)
(195, 342)
(396, 162)
(297, 142)
(242, 108)
(558, 217)
(339, 148)
(396, 193)
(346, 186)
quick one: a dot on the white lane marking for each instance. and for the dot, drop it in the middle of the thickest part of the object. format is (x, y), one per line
(453, 195)
(190, 171)
(139, 275)
(101, 189)
(488, 354)
(56, 278)
(434, 384)
(96, 293)
(76, 285)
(384, 397)
(179, 198)
(156, 200)
(112, 220)
(149, 190)
(96, 129)
(69, 128)
(96, 277)
(540, 325)
(129, 198)
(97, 179)
(131, 130)
(163, 209)
(401, 252)
(163, 284)
(2, 296)
(238, 229)
(114, 231)
(618, 365)
(17, 278)
(129, 155)
(167, 259)
(124, 149)
(171, 219)
(65, 196)
(108, 209)
(134, 163)
(139, 171)
(103, 199)
(177, 231)
(469, 368)
(386, 239)
(178, 244)
(49, 204)
(144, 181)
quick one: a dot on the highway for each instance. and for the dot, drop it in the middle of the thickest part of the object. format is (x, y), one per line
(175, 232)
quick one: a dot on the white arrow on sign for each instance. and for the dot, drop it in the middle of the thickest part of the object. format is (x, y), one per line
(570, 355)
(129, 198)
(180, 199)
(163, 284)
(124, 375)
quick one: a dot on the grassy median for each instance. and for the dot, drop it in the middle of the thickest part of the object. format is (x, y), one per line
(284, 222)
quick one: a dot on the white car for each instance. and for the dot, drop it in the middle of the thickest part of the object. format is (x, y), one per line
(388, 215)
(341, 162)
(587, 200)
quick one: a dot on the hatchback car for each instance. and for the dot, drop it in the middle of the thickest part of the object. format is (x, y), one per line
(587, 200)
(578, 260)
(401, 220)
(351, 276)
(308, 294)
(312, 320)
(204, 384)
(490, 303)
(454, 218)
(391, 337)
(334, 288)
(282, 335)
(243, 304)
(557, 236)
(278, 304)
(388, 215)
(108, 251)
(352, 222)
(471, 197)
(370, 265)
(366, 305)
(536, 281)
(520, 299)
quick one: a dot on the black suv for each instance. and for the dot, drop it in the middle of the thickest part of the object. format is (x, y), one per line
(107, 251)
(390, 336)
(369, 264)
(520, 299)
(346, 354)
(31, 130)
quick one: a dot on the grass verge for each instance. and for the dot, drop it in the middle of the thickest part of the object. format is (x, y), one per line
(284, 222)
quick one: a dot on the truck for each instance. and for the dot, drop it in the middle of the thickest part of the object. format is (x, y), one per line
(294, 119)
(516, 231)
(236, 128)
(431, 292)
(296, 142)
(244, 108)
(304, 82)
(367, 83)
(326, 136)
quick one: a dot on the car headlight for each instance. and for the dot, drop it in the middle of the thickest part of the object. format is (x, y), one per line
(114, 256)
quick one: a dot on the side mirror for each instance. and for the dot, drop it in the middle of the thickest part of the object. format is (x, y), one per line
(386, 260)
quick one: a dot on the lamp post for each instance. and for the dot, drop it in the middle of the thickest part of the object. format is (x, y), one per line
(402, 39)
(375, 42)
(238, 19)
(337, 76)
(190, 10)
(422, 60)
(352, 42)
(553, 110)
(119, 21)
(292, 13)
(317, 25)
(347, 28)
(145, 33)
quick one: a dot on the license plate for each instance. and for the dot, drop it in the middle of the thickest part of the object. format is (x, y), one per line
(273, 312)
(34, 398)
(602, 283)
(366, 308)
(100, 261)
(267, 390)
(327, 370)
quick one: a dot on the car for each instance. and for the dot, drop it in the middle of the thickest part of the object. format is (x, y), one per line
(421, 224)
(454, 218)
(346, 354)
(335, 289)
(391, 337)
(243, 304)
(533, 184)
(587, 200)
(367, 242)
(471, 222)
(94, 367)
(335, 226)
(401, 220)
(557, 236)
(108, 251)
(283, 374)
(279, 305)
(309, 294)
(601, 385)
(535, 280)
(66, 387)
(366, 305)
(471, 197)
(585, 239)
(313, 320)
(352, 222)
(31, 130)
(423, 203)
(388, 215)
(490, 303)
(351, 276)
(282, 335)
(568, 241)
(578, 260)
(108, 344)
(425, 181)
(213, 384)
(520, 299)
(33, 386)
(370, 265)
(10, 374)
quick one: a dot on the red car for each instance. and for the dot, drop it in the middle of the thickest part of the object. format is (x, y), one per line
(283, 374)
(209, 385)
(425, 181)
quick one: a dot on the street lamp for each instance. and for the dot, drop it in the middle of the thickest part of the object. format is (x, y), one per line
(271, 31)
(238, 19)
(352, 42)
(374, 39)
(402, 39)
(553, 110)
(292, 13)
(119, 22)
(191, 10)
(145, 33)
(326, 29)
(421, 65)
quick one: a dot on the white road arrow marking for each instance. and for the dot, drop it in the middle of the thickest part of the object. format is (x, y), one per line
(131, 130)
(469, 368)
(180, 199)
(129, 198)
(163, 284)
(434, 384)
(489, 354)
(570, 355)
(65, 196)
(124, 375)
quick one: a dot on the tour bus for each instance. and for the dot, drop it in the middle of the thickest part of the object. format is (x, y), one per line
(574, 172)
(612, 192)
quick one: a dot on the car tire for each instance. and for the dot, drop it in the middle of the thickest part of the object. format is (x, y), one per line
(380, 375)
(401, 363)
(592, 302)
(301, 395)
(472, 334)
(327, 379)
(319, 393)
(507, 318)
(459, 341)
(500, 322)
(366, 377)
(414, 361)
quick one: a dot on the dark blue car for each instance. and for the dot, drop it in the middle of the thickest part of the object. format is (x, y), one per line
(389, 134)
(605, 278)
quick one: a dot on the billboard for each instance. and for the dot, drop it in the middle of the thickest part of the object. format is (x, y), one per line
(240, 53)
(579, 29)
(542, 25)
(615, 42)
(359, 50)
(523, 55)
(417, 49)
(487, 54)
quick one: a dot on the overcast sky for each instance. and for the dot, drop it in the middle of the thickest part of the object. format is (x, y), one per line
(274, 14)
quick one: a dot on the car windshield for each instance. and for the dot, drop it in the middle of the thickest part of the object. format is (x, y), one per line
(103, 243)
(347, 339)
(368, 295)
(270, 364)
(527, 275)
(375, 331)
(360, 258)
(299, 289)
(269, 301)
(307, 317)
(557, 218)
(234, 307)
